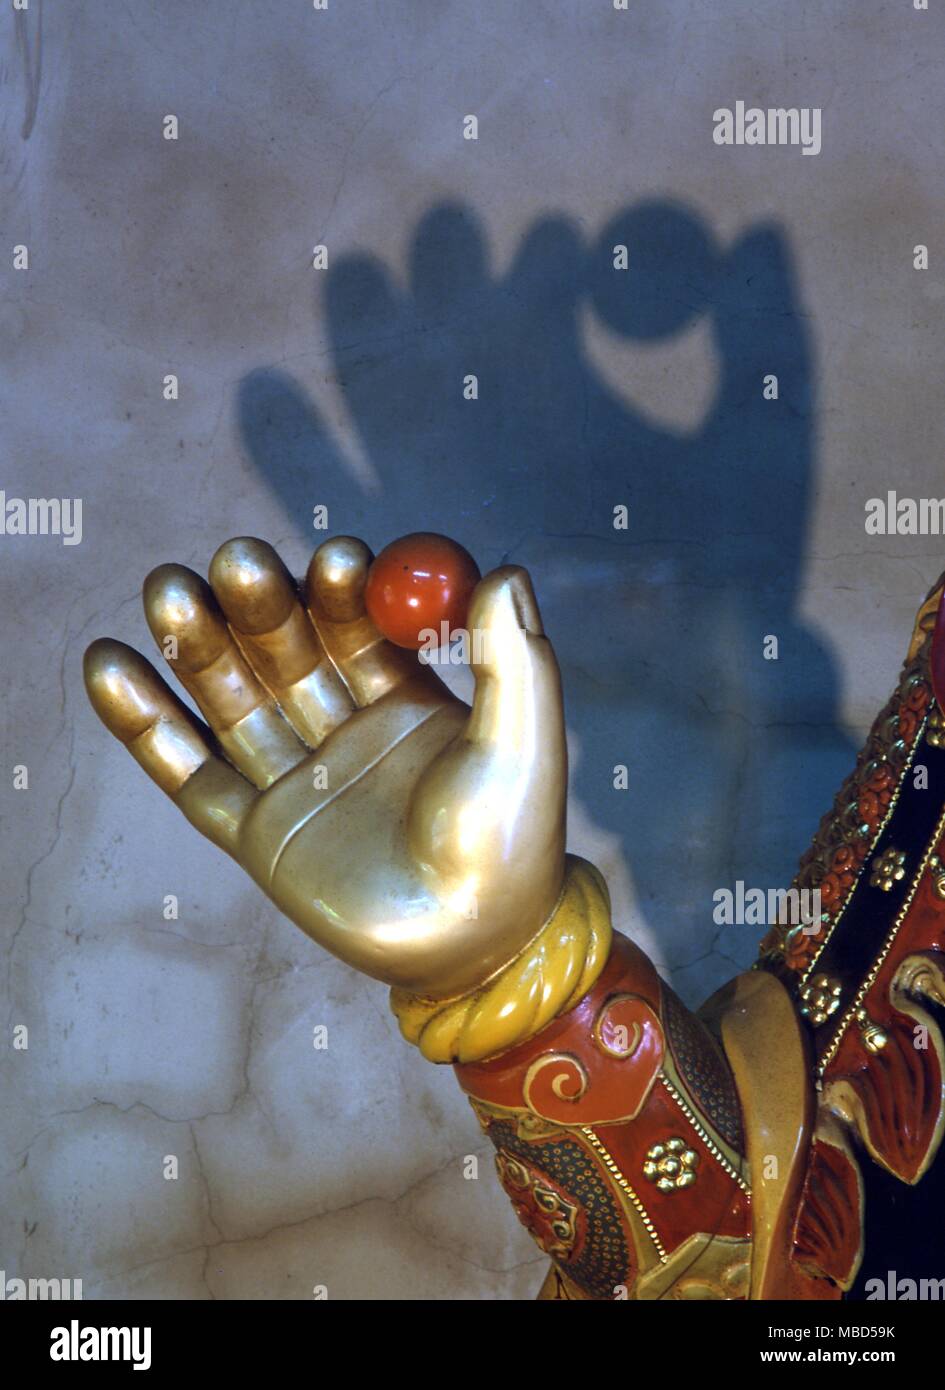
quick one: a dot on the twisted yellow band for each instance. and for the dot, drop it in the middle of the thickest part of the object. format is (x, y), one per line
(556, 968)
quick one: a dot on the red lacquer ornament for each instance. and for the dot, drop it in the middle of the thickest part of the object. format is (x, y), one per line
(417, 585)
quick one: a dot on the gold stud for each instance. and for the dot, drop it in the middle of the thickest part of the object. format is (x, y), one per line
(820, 998)
(937, 870)
(671, 1165)
(888, 869)
(874, 1037)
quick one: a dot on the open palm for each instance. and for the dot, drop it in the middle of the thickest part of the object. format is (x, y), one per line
(420, 841)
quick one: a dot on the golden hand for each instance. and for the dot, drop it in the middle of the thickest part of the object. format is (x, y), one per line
(420, 841)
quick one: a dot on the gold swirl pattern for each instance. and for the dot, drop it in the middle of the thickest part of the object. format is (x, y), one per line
(569, 1082)
(554, 971)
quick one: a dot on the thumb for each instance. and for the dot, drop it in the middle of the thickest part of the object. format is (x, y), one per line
(517, 701)
(489, 814)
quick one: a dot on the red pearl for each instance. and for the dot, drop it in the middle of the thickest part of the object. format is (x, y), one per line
(418, 583)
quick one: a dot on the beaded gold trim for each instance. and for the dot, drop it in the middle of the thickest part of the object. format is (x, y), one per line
(837, 916)
(848, 829)
(625, 1187)
(878, 963)
(704, 1135)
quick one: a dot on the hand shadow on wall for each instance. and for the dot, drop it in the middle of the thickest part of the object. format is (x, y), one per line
(660, 629)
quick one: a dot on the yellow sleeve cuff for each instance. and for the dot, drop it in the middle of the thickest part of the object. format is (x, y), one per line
(548, 977)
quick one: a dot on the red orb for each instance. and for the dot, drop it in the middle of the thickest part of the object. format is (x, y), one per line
(416, 585)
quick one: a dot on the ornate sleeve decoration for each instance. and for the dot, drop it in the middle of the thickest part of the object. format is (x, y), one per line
(614, 1140)
(879, 861)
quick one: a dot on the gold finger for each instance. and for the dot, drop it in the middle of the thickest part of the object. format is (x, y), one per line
(166, 739)
(260, 601)
(334, 591)
(190, 629)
